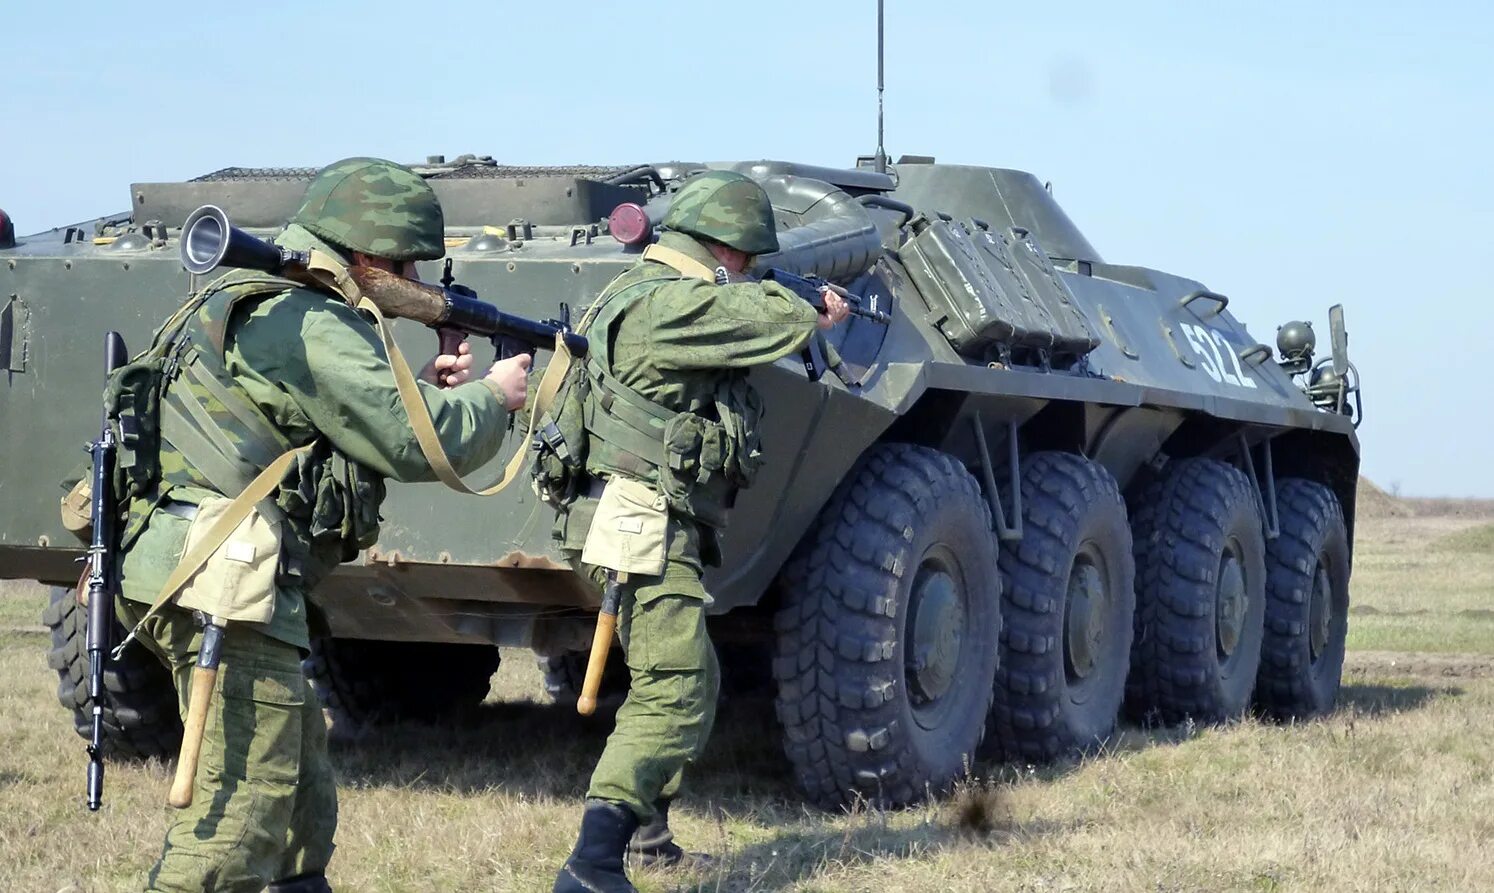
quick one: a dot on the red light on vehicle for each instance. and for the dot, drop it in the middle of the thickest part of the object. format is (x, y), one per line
(629, 224)
(7, 230)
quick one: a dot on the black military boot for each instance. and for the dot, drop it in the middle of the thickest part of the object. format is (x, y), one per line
(654, 844)
(596, 864)
(311, 882)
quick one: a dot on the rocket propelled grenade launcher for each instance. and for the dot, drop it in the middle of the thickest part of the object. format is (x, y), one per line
(209, 241)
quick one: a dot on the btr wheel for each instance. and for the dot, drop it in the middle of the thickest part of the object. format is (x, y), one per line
(363, 682)
(1307, 604)
(888, 631)
(141, 717)
(1200, 594)
(1066, 612)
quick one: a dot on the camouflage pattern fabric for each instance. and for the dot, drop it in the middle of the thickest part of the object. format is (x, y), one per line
(676, 346)
(724, 207)
(265, 803)
(682, 340)
(663, 725)
(376, 207)
(318, 369)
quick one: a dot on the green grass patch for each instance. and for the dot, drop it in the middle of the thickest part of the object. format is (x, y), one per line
(1436, 633)
(1474, 539)
(21, 604)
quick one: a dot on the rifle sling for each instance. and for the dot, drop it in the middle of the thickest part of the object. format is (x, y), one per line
(680, 261)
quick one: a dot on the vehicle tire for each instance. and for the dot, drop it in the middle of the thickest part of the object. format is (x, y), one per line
(565, 673)
(363, 682)
(1067, 612)
(888, 632)
(141, 718)
(1200, 594)
(1307, 604)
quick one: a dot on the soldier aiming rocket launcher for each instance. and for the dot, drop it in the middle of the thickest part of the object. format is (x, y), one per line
(208, 242)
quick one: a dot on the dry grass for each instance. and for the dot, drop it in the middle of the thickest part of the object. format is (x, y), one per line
(1393, 792)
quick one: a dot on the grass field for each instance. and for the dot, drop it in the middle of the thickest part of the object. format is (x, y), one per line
(1393, 792)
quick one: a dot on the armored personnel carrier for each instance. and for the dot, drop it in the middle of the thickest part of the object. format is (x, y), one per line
(1054, 492)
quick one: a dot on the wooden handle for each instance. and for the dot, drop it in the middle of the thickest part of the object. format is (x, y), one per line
(601, 643)
(204, 680)
(397, 296)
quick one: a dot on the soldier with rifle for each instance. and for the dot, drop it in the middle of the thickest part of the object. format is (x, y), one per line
(642, 453)
(254, 438)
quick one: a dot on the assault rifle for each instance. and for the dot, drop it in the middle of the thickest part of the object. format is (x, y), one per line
(812, 289)
(208, 241)
(101, 581)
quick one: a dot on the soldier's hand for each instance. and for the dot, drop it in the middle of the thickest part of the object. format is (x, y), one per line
(512, 378)
(836, 308)
(449, 370)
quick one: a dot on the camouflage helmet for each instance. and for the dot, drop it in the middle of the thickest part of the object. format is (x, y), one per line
(724, 207)
(376, 207)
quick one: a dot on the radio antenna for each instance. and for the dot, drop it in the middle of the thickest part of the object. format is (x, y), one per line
(881, 154)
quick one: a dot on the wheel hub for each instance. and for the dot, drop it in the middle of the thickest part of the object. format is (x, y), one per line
(1320, 611)
(1232, 605)
(1084, 621)
(937, 628)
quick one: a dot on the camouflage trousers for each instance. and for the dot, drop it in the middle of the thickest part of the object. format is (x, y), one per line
(663, 725)
(264, 807)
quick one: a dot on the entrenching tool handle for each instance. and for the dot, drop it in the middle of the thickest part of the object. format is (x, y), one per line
(204, 680)
(601, 644)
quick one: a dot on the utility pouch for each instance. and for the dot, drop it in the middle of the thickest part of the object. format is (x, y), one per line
(77, 509)
(133, 394)
(238, 581)
(684, 437)
(339, 499)
(630, 530)
(560, 441)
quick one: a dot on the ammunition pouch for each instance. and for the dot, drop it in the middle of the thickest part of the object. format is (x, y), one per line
(339, 498)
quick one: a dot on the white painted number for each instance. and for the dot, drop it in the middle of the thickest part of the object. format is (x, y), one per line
(1207, 343)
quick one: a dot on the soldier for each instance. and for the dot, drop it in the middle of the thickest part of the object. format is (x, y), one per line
(670, 435)
(260, 365)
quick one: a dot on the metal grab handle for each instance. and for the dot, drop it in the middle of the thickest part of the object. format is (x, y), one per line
(1205, 293)
(1256, 354)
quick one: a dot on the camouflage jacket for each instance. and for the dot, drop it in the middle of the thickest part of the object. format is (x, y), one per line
(676, 344)
(315, 367)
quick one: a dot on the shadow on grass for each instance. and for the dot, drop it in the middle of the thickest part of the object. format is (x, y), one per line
(549, 750)
(1377, 700)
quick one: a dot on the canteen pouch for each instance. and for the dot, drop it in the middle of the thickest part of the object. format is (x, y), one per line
(630, 530)
(238, 582)
(77, 509)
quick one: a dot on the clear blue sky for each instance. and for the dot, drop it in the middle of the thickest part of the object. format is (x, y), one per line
(1290, 155)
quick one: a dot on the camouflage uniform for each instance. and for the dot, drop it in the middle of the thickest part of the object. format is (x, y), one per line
(265, 804)
(684, 345)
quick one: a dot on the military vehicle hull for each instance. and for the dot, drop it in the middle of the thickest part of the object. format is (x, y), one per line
(1018, 367)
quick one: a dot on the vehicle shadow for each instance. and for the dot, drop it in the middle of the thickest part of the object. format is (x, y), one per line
(1372, 699)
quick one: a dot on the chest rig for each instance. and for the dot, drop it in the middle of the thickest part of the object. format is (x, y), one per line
(185, 423)
(697, 456)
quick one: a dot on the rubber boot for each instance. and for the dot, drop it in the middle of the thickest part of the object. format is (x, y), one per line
(311, 882)
(596, 864)
(654, 844)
